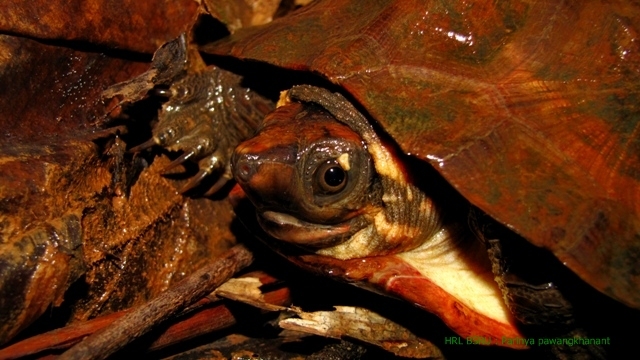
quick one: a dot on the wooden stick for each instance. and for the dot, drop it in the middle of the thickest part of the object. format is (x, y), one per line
(203, 317)
(140, 320)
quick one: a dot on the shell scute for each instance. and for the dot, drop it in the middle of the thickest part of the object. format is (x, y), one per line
(530, 109)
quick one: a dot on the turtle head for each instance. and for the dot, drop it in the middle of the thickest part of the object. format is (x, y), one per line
(322, 179)
(310, 177)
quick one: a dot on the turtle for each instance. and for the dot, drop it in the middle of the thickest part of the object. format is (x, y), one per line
(530, 122)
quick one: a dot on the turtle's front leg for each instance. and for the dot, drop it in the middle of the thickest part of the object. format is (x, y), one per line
(207, 115)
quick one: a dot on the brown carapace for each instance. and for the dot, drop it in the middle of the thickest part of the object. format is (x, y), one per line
(528, 109)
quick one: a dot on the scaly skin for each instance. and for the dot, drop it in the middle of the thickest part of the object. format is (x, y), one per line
(208, 114)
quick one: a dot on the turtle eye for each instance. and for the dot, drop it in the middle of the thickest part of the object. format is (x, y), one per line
(331, 178)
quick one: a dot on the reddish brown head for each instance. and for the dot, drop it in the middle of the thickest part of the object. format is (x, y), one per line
(309, 176)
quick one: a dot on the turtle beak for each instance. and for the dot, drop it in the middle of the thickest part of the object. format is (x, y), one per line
(268, 179)
(271, 183)
(264, 166)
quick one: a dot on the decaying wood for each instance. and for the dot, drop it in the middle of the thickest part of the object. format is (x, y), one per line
(342, 322)
(364, 325)
(139, 26)
(238, 14)
(141, 320)
(206, 315)
(70, 195)
(52, 177)
(281, 347)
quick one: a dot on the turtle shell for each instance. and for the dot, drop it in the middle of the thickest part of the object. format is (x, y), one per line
(530, 109)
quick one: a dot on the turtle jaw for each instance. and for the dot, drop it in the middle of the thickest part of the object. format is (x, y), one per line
(291, 229)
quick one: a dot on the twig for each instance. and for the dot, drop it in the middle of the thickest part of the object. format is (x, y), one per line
(203, 317)
(140, 320)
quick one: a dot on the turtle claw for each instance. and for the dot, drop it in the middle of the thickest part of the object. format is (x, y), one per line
(194, 181)
(207, 166)
(206, 114)
(222, 181)
(181, 159)
(145, 145)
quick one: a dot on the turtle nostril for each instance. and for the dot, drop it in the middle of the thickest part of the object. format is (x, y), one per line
(243, 169)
